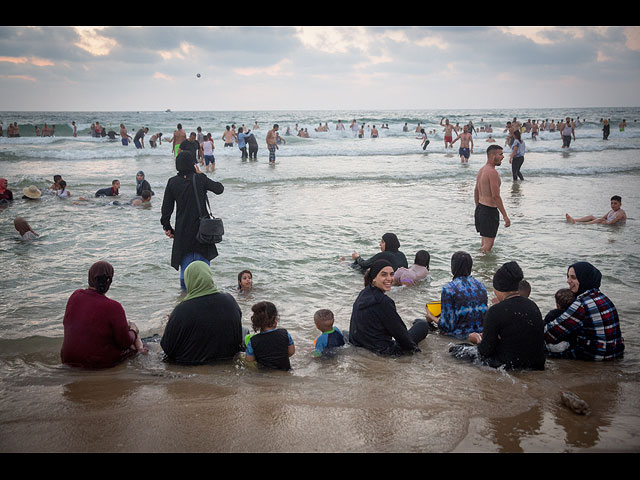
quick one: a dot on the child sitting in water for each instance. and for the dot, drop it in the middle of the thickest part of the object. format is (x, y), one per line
(417, 272)
(62, 190)
(564, 298)
(273, 346)
(56, 182)
(331, 336)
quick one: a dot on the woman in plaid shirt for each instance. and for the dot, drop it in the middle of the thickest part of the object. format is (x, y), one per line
(592, 316)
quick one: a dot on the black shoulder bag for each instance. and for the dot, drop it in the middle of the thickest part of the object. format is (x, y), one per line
(211, 228)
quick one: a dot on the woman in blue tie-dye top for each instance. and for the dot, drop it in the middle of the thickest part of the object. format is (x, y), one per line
(463, 300)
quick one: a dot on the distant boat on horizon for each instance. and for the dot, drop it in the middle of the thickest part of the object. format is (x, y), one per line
(168, 110)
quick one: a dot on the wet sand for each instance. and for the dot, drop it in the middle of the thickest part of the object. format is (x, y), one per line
(325, 405)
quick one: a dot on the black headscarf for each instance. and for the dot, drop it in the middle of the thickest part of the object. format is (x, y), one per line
(391, 242)
(100, 276)
(184, 162)
(374, 270)
(461, 263)
(588, 276)
(507, 278)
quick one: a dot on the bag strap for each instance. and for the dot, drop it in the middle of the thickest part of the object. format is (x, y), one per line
(198, 199)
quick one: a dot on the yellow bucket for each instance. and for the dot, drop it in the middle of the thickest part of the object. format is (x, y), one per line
(434, 308)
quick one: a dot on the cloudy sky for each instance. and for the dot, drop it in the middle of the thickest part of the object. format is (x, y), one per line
(317, 68)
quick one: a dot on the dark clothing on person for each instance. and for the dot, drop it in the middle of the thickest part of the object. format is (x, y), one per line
(203, 329)
(106, 192)
(396, 259)
(271, 348)
(179, 191)
(376, 325)
(253, 146)
(487, 220)
(193, 147)
(513, 335)
(391, 253)
(142, 186)
(7, 195)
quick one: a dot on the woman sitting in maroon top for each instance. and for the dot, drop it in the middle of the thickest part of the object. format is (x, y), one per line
(96, 331)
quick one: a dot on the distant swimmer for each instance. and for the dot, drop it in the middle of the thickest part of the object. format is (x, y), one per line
(138, 140)
(142, 184)
(179, 136)
(487, 199)
(424, 139)
(143, 201)
(448, 132)
(466, 145)
(622, 125)
(228, 137)
(24, 229)
(124, 135)
(613, 216)
(567, 131)
(155, 139)
(6, 195)
(272, 144)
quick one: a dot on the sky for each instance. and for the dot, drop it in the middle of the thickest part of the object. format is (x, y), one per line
(149, 68)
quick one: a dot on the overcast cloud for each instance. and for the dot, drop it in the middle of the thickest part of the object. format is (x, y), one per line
(309, 68)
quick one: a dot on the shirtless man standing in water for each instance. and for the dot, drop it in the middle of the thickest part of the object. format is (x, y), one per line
(465, 139)
(179, 136)
(448, 135)
(488, 201)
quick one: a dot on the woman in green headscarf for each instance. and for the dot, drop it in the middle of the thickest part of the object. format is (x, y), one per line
(206, 325)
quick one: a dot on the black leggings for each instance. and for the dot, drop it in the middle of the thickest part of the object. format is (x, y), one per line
(515, 168)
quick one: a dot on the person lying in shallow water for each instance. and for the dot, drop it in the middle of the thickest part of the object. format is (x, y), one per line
(614, 216)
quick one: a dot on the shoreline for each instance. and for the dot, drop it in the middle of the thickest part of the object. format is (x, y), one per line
(330, 406)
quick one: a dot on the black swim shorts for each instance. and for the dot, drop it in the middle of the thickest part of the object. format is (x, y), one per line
(487, 220)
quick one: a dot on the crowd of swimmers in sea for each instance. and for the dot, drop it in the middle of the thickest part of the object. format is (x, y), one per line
(507, 331)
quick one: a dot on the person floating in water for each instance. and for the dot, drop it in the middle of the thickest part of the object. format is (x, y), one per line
(613, 216)
(111, 191)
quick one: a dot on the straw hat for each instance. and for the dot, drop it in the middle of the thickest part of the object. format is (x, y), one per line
(31, 191)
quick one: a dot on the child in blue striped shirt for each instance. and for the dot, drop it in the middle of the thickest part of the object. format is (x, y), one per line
(331, 336)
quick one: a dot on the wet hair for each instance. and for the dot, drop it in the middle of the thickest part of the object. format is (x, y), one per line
(564, 298)
(179, 126)
(240, 277)
(114, 182)
(323, 319)
(146, 195)
(617, 198)
(265, 315)
(461, 263)
(391, 242)
(524, 288)
(422, 258)
(62, 184)
(56, 178)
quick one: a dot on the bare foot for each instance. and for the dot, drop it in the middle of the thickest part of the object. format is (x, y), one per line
(569, 218)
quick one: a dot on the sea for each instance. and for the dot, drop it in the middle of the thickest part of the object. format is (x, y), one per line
(294, 224)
